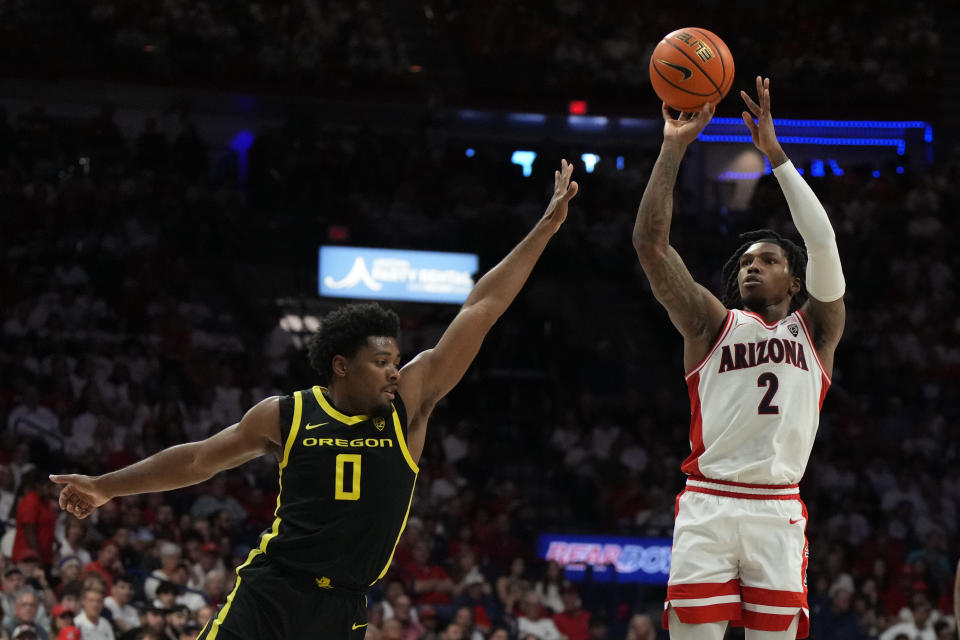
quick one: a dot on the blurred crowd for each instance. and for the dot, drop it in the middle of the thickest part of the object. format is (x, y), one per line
(554, 50)
(139, 288)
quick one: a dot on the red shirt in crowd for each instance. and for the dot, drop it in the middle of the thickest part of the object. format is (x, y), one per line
(575, 626)
(432, 572)
(33, 510)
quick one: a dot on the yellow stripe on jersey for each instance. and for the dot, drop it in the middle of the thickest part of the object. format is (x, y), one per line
(416, 471)
(326, 406)
(403, 442)
(403, 526)
(291, 438)
(215, 626)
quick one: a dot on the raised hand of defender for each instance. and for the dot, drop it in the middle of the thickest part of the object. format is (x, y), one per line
(685, 128)
(762, 132)
(563, 192)
(81, 496)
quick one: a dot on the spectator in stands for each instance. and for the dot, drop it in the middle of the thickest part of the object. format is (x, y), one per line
(512, 586)
(534, 620)
(73, 540)
(410, 628)
(34, 421)
(61, 623)
(214, 588)
(36, 519)
(477, 596)
(166, 595)
(92, 625)
(216, 499)
(154, 617)
(920, 627)
(572, 622)
(550, 585)
(463, 618)
(169, 565)
(123, 614)
(107, 565)
(837, 620)
(13, 582)
(25, 614)
(431, 584)
(641, 628)
(392, 630)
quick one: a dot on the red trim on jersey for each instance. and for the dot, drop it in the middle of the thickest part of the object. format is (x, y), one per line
(690, 466)
(746, 496)
(744, 484)
(773, 597)
(703, 590)
(824, 387)
(753, 314)
(806, 558)
(727, 326)
(813, 346)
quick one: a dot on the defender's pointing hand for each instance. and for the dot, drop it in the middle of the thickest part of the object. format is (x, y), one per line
(81, 496)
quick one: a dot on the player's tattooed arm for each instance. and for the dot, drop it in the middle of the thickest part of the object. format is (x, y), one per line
(695, 312)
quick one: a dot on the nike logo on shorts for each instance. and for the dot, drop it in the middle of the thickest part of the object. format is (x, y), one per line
(795, 520)
(358, 626)
(314, 426)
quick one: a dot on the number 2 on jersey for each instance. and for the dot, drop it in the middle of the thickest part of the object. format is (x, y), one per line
(766, 406)
(340, 493)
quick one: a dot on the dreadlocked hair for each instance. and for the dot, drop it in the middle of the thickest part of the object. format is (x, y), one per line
(796, 260)
(345, 330)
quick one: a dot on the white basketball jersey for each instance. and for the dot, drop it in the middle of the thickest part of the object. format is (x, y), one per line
(755, 402)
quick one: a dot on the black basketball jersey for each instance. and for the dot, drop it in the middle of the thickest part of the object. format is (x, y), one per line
(346, 483)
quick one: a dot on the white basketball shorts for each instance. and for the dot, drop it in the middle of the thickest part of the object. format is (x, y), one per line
(739, 554)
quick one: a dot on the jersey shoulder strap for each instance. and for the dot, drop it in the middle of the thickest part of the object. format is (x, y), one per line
(286, 416)
(401, 413)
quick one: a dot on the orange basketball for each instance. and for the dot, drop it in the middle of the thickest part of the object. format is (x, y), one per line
(690, 67)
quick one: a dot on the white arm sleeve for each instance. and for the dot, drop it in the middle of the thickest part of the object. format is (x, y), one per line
(824, 274)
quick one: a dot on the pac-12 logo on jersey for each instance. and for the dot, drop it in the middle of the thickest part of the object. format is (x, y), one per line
(794, 330)
(379, 423)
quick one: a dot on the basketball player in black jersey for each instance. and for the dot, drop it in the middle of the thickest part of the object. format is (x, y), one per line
(347, 453)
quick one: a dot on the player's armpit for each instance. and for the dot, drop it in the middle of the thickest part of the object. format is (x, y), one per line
(826, 321)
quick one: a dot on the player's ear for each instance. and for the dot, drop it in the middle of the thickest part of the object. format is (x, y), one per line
(795, 286)
(339, 366)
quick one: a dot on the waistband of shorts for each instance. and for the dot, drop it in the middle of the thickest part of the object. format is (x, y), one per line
(730, 489)
(291, 572)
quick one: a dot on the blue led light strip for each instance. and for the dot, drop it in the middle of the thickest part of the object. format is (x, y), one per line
(834, 124)
(843, 142)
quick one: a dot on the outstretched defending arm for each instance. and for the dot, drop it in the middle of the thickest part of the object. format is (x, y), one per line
(695, 312)
(434, 372)
(824, 278)
(179, 466)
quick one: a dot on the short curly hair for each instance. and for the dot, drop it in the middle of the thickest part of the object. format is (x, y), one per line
(345, 330)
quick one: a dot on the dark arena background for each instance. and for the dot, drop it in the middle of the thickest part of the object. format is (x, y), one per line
(169, 172)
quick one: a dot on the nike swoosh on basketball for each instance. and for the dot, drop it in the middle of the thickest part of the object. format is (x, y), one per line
(795, 521)
(359, 626)
(314, 426)
(687, 73)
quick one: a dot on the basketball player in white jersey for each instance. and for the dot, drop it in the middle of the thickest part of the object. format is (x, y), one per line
(757, 366)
